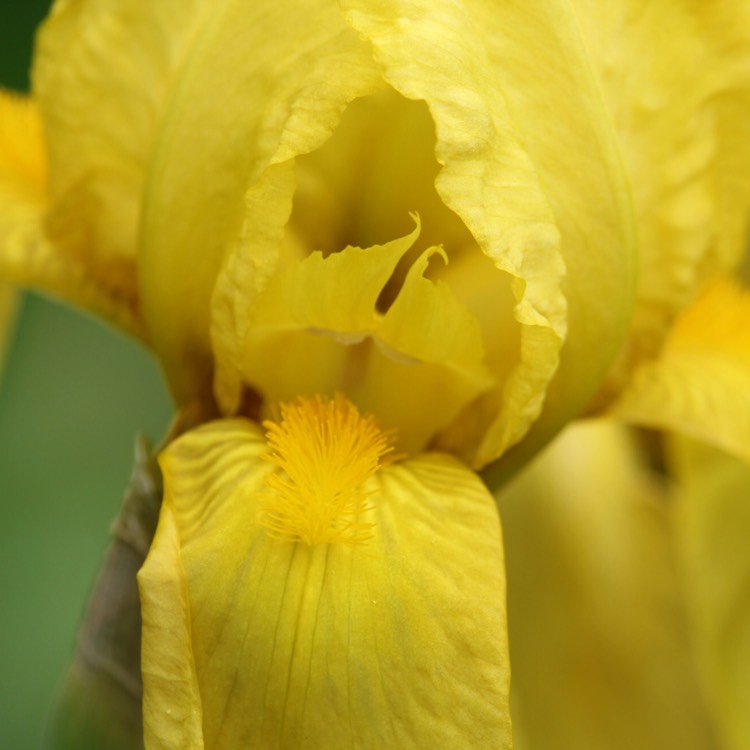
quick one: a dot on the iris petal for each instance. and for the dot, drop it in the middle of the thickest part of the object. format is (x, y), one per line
(260, 84)
(525, 142)
(101, 75)
(316, 328)
(600, 641)
(700, 382)
(679, 102)
(401, 644)
(713, 514)
(28, 255)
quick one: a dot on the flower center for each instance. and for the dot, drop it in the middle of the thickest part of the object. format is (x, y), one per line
(325, 450)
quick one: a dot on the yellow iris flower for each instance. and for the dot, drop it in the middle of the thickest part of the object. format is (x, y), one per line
(387, 245)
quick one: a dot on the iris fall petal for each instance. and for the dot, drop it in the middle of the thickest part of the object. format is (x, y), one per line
(399, 643)
(599, 637)
(713, 514)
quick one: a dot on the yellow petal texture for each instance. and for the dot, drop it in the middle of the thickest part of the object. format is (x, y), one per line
(397, 644)
(316, 329)
(28, 257)
(600, 651)
(713, 514)
(700, 383)
(23, 189)
(531, 167)
(680, 102)
(260, 83)
(23, 167)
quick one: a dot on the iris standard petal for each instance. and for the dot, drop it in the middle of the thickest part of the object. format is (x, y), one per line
(700, 382)
(261, 83)
(525, 144)
(600, 645)
(398, 643)
(713, 515)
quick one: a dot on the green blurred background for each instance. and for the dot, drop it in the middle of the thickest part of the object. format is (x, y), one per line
(73, 394)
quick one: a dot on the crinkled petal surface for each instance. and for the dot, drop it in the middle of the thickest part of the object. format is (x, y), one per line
(271, 644)
(713, 514)
(599, 641)
(700, 383)
(525, 144)
(260, 83)
(28, 256)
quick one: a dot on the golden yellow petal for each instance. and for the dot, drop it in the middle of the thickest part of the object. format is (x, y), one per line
(22, 194)
(700, 383)
(397, 644)
(28, 257)
(600, 648)
(532, 169)
(713, 514)
(260, 83)
(23, 188)
(23, 163)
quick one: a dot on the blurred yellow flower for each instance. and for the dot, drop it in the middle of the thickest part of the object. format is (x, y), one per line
(454, 226)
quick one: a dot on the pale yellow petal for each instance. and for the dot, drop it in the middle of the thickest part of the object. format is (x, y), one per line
(530, 166)
(713, 512)
(261, 83)
(676, 76)
(397, 644)
(700, 382)
(600, 650)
